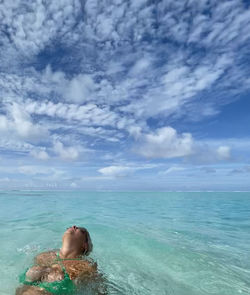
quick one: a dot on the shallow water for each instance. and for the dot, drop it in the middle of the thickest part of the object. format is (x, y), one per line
(144, 243)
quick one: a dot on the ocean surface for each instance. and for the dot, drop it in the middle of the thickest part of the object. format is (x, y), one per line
(144, 243)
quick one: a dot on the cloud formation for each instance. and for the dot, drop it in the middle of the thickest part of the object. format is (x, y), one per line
(115, 171)
(124, 170)
(66, 153)
(18, 123)
(166, 143)
(223, 152)
(107, 77)
(41, 155)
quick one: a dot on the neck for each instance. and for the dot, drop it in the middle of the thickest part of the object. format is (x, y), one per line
(68, 252)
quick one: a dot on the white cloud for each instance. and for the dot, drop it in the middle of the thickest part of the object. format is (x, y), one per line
(116, 69)
(3, 123)
(66, 153)
(31, 26)
(90, 119)
(116, 171)
(145, 77)
(124, 170)
(32, 170)
(212, 151)
(224, 152)
(177, 86)
(40, 154)
(13, 144)
(19, 123)
(80, 89)
(35, 170)
(88, 114)
(165, 143)
(172, 169)
(23, 125)
(140, 66)
(44, 173)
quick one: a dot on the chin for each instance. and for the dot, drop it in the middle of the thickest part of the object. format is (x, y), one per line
(69, 231)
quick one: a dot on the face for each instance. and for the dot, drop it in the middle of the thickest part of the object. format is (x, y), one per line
(75, 237)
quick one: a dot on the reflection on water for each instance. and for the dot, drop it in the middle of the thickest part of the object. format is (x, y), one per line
(144, 243)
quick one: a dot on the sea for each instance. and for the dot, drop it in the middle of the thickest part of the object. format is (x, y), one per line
(145, 243)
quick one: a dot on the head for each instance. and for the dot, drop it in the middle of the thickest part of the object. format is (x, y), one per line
(76, 241)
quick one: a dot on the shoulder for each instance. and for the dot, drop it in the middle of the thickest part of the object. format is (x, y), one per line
(81, 268)
(46, 258)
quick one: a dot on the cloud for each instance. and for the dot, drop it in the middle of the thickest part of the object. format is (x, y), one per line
(18, 123)
(81, 73)
(209, 152)
(34, 170)
(165, 143)
(87, 114)
(40, 175)
(124, 170)
(120, 60)
(66, 153)
(89, 118)
(116, 171)
(140, 66)
(78, 89)
(224, 152)
(179, 85)
(31, 26)
(14, 145)
(172, 169)
(24, 127)
(40, 154)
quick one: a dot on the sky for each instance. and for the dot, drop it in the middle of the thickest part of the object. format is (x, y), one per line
(125, 95)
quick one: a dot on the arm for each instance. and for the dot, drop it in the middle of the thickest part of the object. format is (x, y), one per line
(40, 274)
(31, 290)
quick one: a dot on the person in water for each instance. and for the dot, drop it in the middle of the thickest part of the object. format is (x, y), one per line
(63, 271)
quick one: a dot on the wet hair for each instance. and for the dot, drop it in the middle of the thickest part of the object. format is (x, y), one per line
(88, 240)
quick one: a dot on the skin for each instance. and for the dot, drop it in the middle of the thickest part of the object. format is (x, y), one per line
(74, 245)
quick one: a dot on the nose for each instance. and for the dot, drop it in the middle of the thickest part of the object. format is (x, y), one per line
(74, 227)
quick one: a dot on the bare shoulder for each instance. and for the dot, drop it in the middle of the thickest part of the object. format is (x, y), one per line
(46, 258)
(80, 268)
(85, 272)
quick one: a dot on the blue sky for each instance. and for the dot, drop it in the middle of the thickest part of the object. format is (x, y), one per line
(125, 95)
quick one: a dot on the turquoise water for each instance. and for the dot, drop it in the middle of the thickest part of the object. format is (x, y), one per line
(144, 243)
